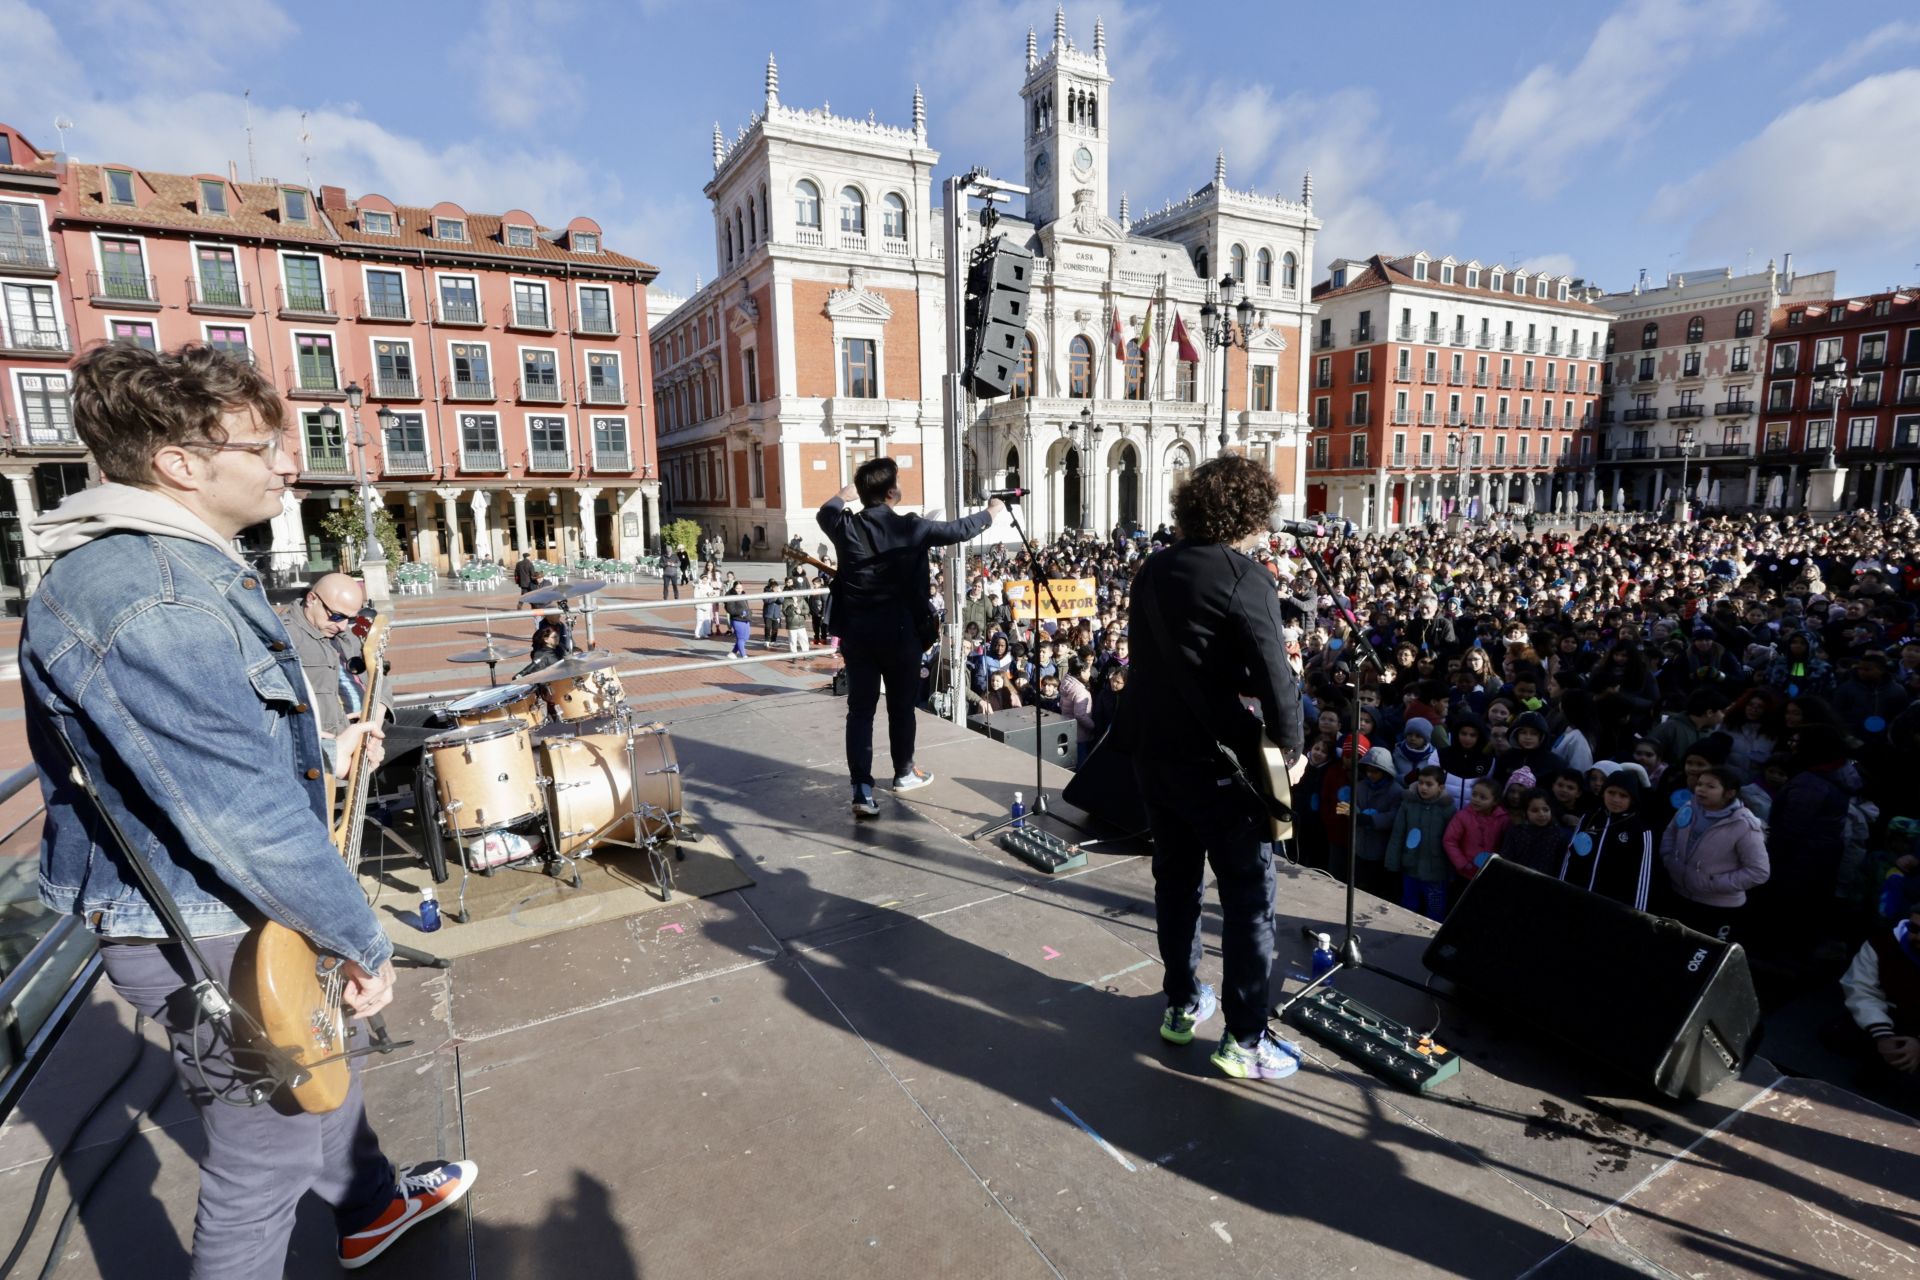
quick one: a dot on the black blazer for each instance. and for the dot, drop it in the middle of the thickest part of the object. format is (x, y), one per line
(883, 574)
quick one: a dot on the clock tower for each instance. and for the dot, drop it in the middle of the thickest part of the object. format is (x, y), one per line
(1067, 123)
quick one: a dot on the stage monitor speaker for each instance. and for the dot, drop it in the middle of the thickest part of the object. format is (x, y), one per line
(1058, 734)
(1105, 787)
(1671, 1008)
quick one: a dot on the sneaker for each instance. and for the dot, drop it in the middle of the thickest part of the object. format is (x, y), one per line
(913, 779)
(863, 803)
(1268, 1058)
(422, 1191)
(1177, 1027)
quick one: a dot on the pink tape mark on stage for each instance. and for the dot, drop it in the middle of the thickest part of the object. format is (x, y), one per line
(1050, 953)
(677, 928)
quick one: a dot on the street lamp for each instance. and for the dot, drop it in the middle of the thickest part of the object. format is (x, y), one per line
(1686, 450)
(1457, 444)
(370, 550)
(1218, 330)
(1089, 451)
(1837, 388)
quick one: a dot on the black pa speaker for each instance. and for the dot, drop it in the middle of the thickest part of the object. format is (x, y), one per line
(1647, 996)
(1105, 787)
(1058, 734)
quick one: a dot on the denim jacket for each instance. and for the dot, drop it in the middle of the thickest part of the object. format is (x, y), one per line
(161, 660)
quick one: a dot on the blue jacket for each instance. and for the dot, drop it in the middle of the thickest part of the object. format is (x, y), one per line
(161, 660)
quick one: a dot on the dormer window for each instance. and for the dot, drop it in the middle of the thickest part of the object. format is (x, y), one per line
(1339, 277)
(449, 229)
(376, 222)
(6, 149)
(119, 186)
(1540, 288)
(586, 242)
(1473, 277)
(1446, 274)
(1563, 291)
(213, 198)
(1419, 270)
(519, 237)
(296, 204)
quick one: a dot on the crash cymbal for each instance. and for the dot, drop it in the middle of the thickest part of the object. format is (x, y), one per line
(490, 654)
(569, 667)
(555, 595)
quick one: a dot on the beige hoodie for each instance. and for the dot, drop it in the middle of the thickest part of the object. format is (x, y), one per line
(115, 508)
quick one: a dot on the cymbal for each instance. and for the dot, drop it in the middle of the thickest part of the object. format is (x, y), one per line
(555, 595)
(569, 667)
(490, 654)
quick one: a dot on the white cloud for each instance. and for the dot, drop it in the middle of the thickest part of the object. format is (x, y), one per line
(1556, 116)
(1820, 180)
(1874, 44)
(513, 60)
(1553, 264)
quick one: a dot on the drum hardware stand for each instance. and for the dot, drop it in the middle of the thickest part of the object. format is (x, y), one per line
(1039, 584)
(662, 868)
(493, 678)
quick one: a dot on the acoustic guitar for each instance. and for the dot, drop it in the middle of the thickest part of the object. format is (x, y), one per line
(292, 988)
(795, 556)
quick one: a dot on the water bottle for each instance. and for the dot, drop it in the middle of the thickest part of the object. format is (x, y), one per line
(1323, 958)
(429, 909)
(1019, 813)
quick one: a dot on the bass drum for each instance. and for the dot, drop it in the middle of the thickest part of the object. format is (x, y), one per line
(484, 777)
(590, 798)
(509, 702)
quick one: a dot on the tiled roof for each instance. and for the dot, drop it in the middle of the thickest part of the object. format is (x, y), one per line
(484, 235)
(174, 202)
(1382, 270)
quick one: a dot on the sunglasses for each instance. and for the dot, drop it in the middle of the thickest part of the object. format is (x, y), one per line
(331, 615)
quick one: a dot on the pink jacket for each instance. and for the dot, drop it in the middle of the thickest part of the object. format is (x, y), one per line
(1470, 834)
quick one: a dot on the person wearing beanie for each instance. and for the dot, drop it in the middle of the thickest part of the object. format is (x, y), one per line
(1474, 833)
(1415, 750)
(1376, 800)
(1612, 854)
(1529, 749)
(1416, 847)
(1714, 851)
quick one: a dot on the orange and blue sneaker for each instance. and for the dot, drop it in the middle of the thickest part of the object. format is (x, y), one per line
(419, 1193)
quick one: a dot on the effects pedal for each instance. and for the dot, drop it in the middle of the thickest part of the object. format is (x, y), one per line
(1041, 850)
(1391, 1050)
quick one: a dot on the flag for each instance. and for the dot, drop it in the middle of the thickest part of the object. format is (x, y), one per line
(1145, 335)
(1119, 338)
(1182, 343)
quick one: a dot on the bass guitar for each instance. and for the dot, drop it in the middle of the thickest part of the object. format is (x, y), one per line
(292, 989)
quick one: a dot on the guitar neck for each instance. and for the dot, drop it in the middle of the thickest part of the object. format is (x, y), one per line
(801, 557)
(347, 836)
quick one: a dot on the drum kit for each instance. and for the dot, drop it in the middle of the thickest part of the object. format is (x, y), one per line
(550, 768)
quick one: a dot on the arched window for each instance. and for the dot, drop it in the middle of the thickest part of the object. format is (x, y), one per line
(1023, 378)
(1136, 372)
(853, 212)
(1650, 336)
(1179, 460)
(893, 224)
(806, 202)
(1289, 272)
(1237, 256)
(1080, 369)
(1697, 329)
(753, 222)
(1743, 324)
(739, 231)
(1200, 263)
(1263, 267)
(1013, 468)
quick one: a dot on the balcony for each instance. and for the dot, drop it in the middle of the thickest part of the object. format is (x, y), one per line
(899, 248)
(1323, 342)
(458, 313)
(408, 462)
(1361, 336)
(1477, 419)
(1403, 332)
(326, 462)
(1531, 346)
(1529, 383)
(19, 341)
(1690, 374)
(592, 392)
(548, 460)
(1555, 346)
(1777, 446)
(855, 241)
(1321, 421)
(1456, 418)
(1863, 401)
(1640, 415)
(1504, 420)
(467, 388)
(1732, 408)
(1509, 343)
(1679, 412)
(1628, 453)
(1399, 462)
(306, 304)
(395, 388)
(314, 383)
(809, 236)
(1779, 405)
(1525, 420)
(122, 289)
(1321, 381)
(1358, 418)
(1458, 338)
(1551, 383)
(1484, 342)
(1605, 417)
(1431, 334)
(218, 297)
(1402, 374)
(612, 460)
(1504, 382)
(591, 324)
(1402, 417)
(1429, 417)
(538, 392)
(26, 256)
(1457, 378)
(381, 309)
(1481, 379)
(1362, 375)
(1727, 449)
(482, 460)
(1430, 376)
(531, 319)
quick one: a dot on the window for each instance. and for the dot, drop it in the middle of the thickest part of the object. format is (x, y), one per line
(386, 295)
(138, 333)
(1825, 351)
(1322, 412)
(1136, 372)
(1697, 329)
(1263, 267)
(1496, 280)
(596, 309)
(586, 242)
(123, 270)
(22, 235)
(6, 149)
(859, 378)
(472, 370)
(1743, 324)
(1022, 384)
(213, 198)
(119, 186)
(1540, 287)
(1419, 273)
(1289, 271)
(806, 202)
(1690, 365)
(325, 438)
(219, 276)
(1187, 381)
(519, 237)
(231, 339)
(1795, 319)
(44, 402)
(539, 375)
(610, 441)
(1860, 433)
(1237, 258)
(314, 362)
(1779, 397)
(306, 289)
(480, 438)
(459, 300)
(1080, 369)
(1263, 389)
(1446, 273)
(32, 320)
(750, 374)
(530, 305)
(376, 222)
(547, 439)
(1913, 347)
(393, 369)
(296, 204)
(1645, 373)
(1873, 350)
(756, 472)
(1399, 448)
(603, 378)
(1786, 358)
(406, 439)
(449, 229)
(893, 217)
(1426, 449)
(1320, 452)
(1742, 360)
(853, 212)
(1473, 277)
(1357, 451)
(1649, 337)
(1819, 434)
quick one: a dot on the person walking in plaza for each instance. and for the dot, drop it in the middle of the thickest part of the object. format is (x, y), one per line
(525, 576)
(738, 620)
(212, 767)
(771, 614)
(879, 613)
(1205, 629)
(799, 626)
(670, 574)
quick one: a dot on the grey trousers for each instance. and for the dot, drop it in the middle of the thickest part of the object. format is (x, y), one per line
(260, 1161)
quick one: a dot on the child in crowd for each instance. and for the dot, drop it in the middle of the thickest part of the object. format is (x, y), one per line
(793, 611)
(1377, 799)
(1568, 792)
(1309, 832)
(1474, 833)
(1416, 847)
(771, 614)
(1415, 750)
(1612, 852)
(1336, 794)
(1514, 797)
(1536, 840)
(1466, 758)
(1714, 851)
(1646, 754)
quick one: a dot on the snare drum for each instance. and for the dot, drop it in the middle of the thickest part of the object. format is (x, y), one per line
(587, 697)
(484, 776)
(509, 702)
(591, 796)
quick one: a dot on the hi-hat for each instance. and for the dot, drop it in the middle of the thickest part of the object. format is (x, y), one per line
(569, 667)
(555, 595)
(491, 654)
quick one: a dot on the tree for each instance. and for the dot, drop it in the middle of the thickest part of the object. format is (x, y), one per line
(684, 534)
(345, 525)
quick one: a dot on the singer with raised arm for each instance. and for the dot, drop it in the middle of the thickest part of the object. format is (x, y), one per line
(883, 616)
(1205, 630)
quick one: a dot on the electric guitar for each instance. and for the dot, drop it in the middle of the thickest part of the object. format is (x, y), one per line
(291, 988)
(795, 556)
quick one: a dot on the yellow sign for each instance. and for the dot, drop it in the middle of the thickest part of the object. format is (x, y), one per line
(1075, 597)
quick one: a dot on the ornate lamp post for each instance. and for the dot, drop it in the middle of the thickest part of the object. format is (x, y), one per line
(1686, 450)
(1090, 432)
(1217, 328)
(373, 556)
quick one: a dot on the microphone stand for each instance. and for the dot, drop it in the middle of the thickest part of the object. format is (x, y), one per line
(1039, 584)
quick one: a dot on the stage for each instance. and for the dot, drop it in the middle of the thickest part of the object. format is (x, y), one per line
(900, 1054)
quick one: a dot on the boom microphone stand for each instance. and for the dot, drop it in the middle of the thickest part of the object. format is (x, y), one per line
(1039, 584)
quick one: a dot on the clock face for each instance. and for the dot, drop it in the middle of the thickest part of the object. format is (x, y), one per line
(1041, 167)
(1083, 160)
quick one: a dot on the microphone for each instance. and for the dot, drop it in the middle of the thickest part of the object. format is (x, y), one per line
(1302, 528)
(1005, 495)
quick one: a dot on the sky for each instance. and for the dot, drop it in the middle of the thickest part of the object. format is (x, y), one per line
(1597, 140)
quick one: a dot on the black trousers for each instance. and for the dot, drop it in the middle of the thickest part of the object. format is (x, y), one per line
(880, 651)
(1200, 820)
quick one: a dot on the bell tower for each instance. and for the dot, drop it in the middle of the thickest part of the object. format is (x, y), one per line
(1067, 122)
